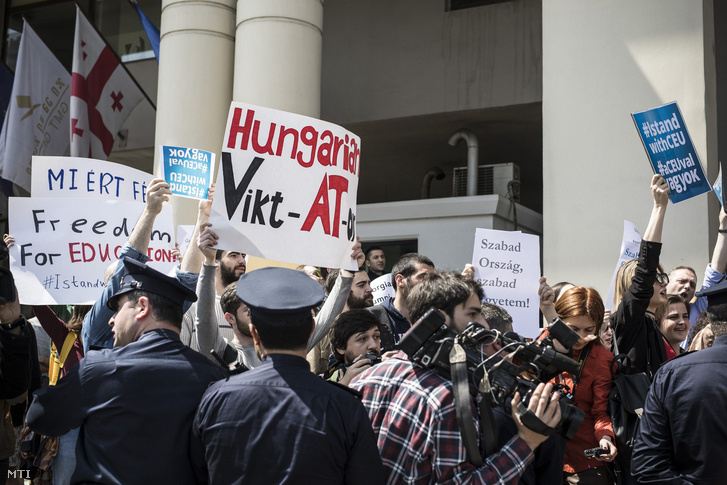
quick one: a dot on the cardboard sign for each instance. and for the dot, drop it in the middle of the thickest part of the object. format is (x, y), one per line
(286, 188)
(62, 250)
(383, 290)
(630, 245)
(77, 178)
(507, 265)
(188, 170)
(671, 151)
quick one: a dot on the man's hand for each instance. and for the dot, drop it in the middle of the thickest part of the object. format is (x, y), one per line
(9, 240)
(359, 365)
(205, 205)
(547, 300)
(357, 253)
(207, 242)
(659, 191)
(544, 403)
(468, 272)
(157, 193)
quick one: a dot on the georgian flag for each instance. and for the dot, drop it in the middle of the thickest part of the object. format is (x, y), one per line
(103, 93)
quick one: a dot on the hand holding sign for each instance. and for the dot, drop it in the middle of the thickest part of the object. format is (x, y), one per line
(660, 191)
(156, 195)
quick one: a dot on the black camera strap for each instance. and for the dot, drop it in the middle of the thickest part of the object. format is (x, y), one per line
(462, 404)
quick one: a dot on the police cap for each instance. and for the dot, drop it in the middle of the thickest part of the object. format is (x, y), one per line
(279, 293)
(716, 295)
(139, 276)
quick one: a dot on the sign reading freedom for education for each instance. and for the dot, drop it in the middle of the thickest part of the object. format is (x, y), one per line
(72, 177)
(507, 265)
(671, 151)
(188, 170)
(286, 188)
(63, 246)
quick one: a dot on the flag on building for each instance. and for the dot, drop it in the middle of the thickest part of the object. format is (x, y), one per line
(103, 93)
(152, 33)
(36, 122)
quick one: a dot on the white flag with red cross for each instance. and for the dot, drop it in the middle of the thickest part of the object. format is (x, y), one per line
(103, 93)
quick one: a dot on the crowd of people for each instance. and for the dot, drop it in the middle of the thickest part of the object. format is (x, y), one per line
(219, 375)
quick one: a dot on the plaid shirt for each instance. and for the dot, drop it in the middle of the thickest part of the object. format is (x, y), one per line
(413, 414)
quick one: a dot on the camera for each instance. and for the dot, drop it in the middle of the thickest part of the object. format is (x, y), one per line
(374, 358)
(430, 340)
(594, 452)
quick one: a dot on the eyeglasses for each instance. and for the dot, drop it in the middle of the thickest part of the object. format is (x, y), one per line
(662, 278)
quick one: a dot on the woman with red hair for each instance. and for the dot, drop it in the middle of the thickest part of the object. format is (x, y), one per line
(582, 310)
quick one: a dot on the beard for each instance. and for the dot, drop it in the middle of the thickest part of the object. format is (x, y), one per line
(228, 274)
(355, 302)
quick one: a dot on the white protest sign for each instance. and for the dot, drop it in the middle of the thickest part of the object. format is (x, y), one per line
(286, 188)
(87, 178)
(61, 250)
(630, 244)
(184, 236)
(507, 265)
(383, 290)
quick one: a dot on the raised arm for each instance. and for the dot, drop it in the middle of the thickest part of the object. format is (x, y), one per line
(157, 193)
(193, 257)
(660, 194)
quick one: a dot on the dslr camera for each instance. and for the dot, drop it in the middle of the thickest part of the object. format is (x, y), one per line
(430, 341)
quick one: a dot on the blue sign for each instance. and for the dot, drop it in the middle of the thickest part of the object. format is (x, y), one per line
(671, 151)
(188, 170)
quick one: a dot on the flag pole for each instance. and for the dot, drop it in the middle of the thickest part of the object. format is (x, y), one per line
(117, 58)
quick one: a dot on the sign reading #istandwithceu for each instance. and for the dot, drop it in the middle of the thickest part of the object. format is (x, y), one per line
(286, 188)
(507, 265)
(188, 170)
(671, 151)
(63, 246)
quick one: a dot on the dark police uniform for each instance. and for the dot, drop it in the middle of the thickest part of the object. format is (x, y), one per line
(135, 404)
(683, 432)
(280, 423)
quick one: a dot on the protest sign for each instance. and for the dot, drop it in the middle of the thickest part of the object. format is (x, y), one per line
(188, 170)
(507, 265)
(383, 290)
(61, 250)
(87, 178)
(671, 151)
(717, 187)
(184, 236)
(286, 188)
(630, 245)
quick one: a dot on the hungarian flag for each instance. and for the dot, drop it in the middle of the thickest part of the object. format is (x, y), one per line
(103, 93)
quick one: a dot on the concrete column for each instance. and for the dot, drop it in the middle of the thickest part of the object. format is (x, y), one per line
(278, 54)
(195, 80)
(603, 60)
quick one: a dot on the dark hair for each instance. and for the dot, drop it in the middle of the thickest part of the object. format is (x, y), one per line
(715, 316)
(372, 248)
(283, 333)
(443, 290)
(229, 300)
(581, 301)
(406, 266)
(661, 312)
(331, 280)
(347, 324)
(162, 308)
(218, 254)
(76, 321)
(558, 288)
(497, 317)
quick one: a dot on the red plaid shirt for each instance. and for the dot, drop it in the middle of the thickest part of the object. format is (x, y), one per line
(413, 414)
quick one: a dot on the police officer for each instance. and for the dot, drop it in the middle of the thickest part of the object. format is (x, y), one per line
(280, 423)
(134, 403)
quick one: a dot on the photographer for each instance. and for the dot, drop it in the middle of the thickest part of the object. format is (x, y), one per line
(412, 409)
(356, 343)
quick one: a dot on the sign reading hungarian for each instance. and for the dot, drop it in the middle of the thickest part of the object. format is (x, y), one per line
(63, 246)
(286, 188)
(671, 151)
(72, 177)
(507, 265)
(188, 170)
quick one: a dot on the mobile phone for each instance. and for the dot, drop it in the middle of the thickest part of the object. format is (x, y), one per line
(593, 452)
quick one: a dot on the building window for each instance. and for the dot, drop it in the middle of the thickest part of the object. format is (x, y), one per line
(462, 4)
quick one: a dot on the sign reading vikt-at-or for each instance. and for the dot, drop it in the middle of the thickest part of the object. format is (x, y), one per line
(286, 188)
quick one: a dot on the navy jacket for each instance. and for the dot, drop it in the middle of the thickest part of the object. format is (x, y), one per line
(135, 406)
(280, 423)
(683, 434)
